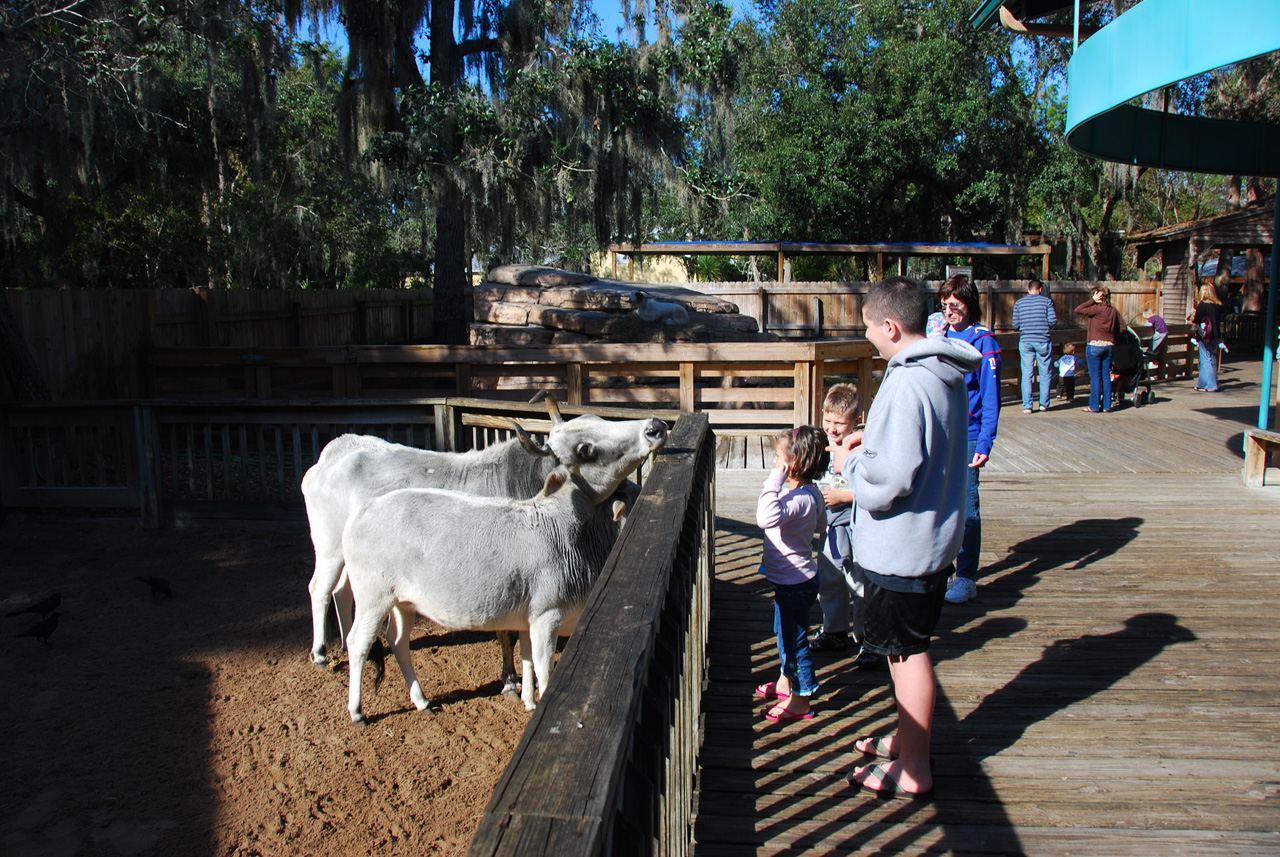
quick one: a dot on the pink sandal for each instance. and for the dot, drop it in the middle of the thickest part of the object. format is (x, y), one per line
(778, 714)
(769, 690)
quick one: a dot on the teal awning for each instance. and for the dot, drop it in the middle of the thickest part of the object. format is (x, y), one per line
(1154, 44)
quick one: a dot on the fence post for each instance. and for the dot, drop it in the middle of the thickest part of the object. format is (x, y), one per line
(573, 383)
(449, 434)
(688, 388)
(145, 437)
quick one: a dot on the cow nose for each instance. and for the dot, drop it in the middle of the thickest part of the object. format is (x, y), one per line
(656, 430)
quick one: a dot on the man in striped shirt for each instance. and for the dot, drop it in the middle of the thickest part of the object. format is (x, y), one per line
(1034, 315)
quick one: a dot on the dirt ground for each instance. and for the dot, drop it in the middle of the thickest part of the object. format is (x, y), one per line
(198, 726)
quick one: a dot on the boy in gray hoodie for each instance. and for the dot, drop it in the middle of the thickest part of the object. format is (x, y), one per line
(908, 472)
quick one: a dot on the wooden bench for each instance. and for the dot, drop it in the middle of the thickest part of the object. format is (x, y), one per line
(1257, 443)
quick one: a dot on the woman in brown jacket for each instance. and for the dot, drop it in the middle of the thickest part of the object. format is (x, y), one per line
(1104, 324)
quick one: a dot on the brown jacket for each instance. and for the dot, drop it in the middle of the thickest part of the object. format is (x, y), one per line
(1104, 321)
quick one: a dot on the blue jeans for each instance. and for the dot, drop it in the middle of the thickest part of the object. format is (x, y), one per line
(791, 606)
(1099, 360)
(1034, 354)
(1208, 379)
(971, 546)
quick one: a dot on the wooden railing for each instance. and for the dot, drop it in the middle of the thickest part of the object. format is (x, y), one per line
(742, 387)
(607, 765)
(182, 462)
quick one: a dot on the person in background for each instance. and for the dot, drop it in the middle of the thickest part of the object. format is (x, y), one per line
(1207, 321)
(1034, 316)
(1159, 330)
(1067, 372)
(963, 308)
(1103, 325)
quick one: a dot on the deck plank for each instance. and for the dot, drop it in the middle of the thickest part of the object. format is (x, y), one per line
(1115, 689)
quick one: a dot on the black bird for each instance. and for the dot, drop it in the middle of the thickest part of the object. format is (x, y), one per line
(43, 629)
(42, 607)
(159, 586)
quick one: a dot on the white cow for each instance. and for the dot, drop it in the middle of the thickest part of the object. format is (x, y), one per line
(606, 524)
(354, 469)
(467, 562)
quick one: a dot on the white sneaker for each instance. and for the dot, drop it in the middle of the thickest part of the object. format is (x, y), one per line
(961, 590)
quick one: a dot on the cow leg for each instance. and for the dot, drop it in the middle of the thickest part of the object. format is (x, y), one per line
(364, 628)
(402, 616)
(544, 630)
(526, 664)
(323, 581)
(507, 642)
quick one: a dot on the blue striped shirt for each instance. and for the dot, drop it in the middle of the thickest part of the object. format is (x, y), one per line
(1034, 315)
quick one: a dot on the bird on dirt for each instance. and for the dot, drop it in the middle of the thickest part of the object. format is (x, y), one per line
(44, 608)
(43, 629)
(159, 586)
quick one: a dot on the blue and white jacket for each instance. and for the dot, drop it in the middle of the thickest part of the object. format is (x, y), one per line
(983, 385)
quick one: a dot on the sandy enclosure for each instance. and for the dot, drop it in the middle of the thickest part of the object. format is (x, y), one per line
(198, 726)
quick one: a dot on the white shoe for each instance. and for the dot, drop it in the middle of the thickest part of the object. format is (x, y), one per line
(961, 590)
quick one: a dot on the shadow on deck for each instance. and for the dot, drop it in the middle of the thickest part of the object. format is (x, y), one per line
(1111, 690)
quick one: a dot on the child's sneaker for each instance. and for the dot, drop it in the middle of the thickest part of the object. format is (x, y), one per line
(823, 642)
(961, 590)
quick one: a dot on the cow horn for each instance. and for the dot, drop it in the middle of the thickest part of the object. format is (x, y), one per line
(554, 410)
(530, 445)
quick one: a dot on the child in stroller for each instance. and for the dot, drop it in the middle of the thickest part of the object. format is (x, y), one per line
(1129, 369)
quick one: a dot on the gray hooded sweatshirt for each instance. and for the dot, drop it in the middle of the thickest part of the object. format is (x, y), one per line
(910, 475)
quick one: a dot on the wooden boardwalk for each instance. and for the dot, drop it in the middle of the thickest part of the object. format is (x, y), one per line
(1113, 690)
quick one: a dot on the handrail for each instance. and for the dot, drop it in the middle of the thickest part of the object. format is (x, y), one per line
(607, 764)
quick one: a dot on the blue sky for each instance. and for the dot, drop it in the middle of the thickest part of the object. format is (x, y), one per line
(609, 12)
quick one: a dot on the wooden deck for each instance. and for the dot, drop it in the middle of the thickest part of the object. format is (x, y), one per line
(1114, 689)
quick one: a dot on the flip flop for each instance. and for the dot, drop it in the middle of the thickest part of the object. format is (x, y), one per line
(892, 792)
(778, 714)
(769, 690)
(879, 747)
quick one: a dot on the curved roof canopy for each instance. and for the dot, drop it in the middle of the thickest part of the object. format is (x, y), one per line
(1148, 47)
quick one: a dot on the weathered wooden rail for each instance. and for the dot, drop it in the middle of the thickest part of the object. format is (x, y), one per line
(185, 462)
(741, 386)
(607, 765)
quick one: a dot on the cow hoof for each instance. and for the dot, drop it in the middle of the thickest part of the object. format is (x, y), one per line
(319, 661)
(511, 690)
(358, 719)
(425, 705)
(530, 706)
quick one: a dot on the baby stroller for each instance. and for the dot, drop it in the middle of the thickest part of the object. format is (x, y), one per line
(1129, 369)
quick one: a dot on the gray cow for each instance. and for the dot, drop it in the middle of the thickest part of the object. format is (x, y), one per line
(354, 469)
(468, 562)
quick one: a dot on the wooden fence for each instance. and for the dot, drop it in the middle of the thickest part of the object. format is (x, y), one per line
(607, 765)
(815, 310)
(741, 386)
(93, 344)
(242, 461)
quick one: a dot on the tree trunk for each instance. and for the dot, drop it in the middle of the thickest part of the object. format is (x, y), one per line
(1255, 283)
(20, 368)
(1222, 280)
(450, 273)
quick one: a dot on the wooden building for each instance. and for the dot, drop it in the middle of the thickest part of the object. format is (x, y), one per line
(1182, 246)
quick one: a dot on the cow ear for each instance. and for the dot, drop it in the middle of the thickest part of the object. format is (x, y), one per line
(555, 479)
(586, 451)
